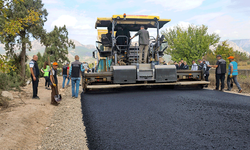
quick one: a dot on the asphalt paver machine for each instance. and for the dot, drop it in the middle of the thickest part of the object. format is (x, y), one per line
(118, 62)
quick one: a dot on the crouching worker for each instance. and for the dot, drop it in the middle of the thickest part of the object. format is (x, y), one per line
(232, 74)
(54, 83)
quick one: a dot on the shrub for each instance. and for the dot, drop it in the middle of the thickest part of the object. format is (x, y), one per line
(8, 82)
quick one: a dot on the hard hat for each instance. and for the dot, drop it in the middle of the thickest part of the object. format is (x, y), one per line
(231, 57)
(55, 64)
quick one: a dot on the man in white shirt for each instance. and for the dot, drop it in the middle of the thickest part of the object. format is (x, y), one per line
(194, 66)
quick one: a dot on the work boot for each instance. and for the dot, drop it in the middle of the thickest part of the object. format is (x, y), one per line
(240, 91)
(222, 90)
(46, 87)
(228, 90)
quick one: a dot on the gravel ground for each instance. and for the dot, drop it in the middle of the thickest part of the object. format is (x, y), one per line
(166, 119)
(66, 129)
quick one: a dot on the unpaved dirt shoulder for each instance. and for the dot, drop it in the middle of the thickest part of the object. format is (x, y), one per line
(22, 123)
(66, 129)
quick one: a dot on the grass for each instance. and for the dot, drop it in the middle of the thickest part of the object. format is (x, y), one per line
(242, 79)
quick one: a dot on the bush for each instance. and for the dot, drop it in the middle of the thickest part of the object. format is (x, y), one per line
(248, 63)
(8, 82)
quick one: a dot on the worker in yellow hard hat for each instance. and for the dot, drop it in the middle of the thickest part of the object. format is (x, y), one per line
(54, 83)
(232, 74)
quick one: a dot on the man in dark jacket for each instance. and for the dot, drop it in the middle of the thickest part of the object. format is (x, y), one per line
(34, 76)
(143, 42)
(75, 73)
(220, 72)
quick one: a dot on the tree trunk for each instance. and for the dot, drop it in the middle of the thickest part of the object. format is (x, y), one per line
(23, 55)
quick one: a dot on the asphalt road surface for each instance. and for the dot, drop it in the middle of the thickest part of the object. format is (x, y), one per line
(166, 119)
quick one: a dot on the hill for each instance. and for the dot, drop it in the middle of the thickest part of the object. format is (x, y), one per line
(84, 51)
(244, 43)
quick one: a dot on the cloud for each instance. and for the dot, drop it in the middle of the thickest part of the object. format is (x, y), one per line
(230, 28)
(67, 20)
(51, 1)
(178, 5)
(205, 18)
(217, 31)
(181, 24)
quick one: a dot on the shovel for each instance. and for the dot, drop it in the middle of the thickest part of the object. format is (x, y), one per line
(57, 97)
(231, 83)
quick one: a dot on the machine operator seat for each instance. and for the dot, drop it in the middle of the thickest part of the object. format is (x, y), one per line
(106, 41)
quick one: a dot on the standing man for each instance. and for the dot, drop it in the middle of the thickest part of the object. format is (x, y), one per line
(220, 72)
(54, 83)
(200, 64)
(65, 72)
(232, 74)
(182, 64)
(176, 65)
(143, 42)
(185, 67)
(75, 75)
(34, 76)
(194, 66)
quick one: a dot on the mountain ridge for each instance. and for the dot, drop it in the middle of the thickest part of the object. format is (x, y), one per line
(85, 51)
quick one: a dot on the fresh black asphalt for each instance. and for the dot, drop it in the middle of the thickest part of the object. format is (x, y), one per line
(160, 119)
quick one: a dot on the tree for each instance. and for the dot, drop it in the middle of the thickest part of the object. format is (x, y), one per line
(30, 17)
(224, 50)
(189, 44)
(56, 43)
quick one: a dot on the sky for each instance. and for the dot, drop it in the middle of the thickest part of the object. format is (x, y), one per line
(228, 18)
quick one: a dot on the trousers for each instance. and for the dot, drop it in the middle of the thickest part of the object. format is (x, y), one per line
(235, 81)
(141, 48)
(35, 86)
(220, 78)
(53, 93)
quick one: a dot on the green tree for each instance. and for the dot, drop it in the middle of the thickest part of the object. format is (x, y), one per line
(189, 44)
(224, 50)
(56, 44)
(13, 25)
(31, 17)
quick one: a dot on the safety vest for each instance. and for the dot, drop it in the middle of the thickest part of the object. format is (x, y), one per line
(46, 71)
(235, 68)
(75, 70)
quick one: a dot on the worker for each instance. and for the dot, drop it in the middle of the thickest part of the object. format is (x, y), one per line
(176, 65)
(194, 66)
(45, 70)
(200, 64)
(65, 73)
(185, 66)
(143, 42)
(205, 68)
(182, 64)
(75, 75)
(34, 76)
(54, 83)
(232, 74)
(220, 72)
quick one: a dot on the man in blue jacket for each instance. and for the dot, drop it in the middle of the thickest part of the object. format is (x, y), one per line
(232, 74)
